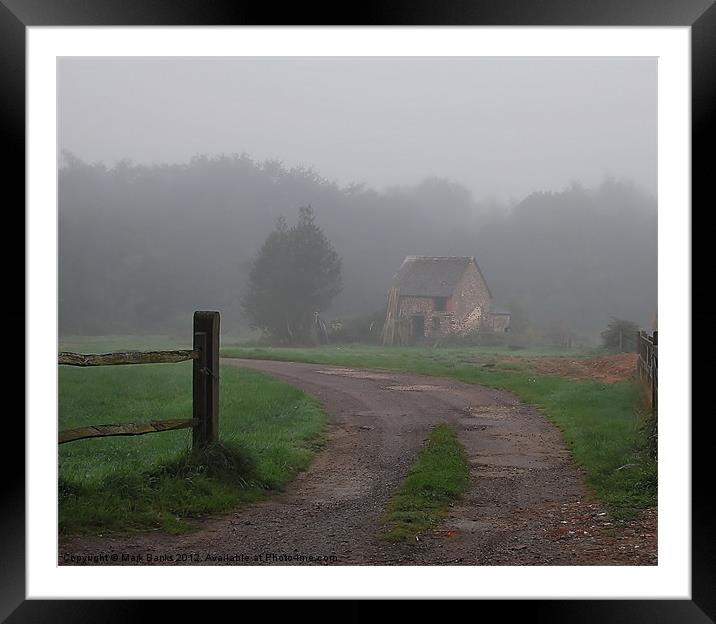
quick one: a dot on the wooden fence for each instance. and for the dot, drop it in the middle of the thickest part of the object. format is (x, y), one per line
(647, 363)
(205, 385)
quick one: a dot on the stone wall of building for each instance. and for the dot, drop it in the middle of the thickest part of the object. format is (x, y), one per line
(471, 322)
(471, 293)
(437, 323)
(409, 306)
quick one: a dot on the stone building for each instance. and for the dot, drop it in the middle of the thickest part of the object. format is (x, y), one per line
(437, 296)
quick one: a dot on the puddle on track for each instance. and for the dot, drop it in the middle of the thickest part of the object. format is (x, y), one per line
(356, 374)
(417, 388)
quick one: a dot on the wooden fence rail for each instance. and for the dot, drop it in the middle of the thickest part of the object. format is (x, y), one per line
(125, 357)
(647, 364)
(205, 385)
(127, 429)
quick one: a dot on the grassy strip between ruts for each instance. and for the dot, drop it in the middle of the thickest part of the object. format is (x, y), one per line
(438, 477)
(602, 423)
(268, 431)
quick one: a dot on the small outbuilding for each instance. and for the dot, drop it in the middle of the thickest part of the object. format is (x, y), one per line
(434, 296)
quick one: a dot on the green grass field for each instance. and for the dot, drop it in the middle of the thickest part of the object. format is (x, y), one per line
(438, 477)
(360, 353)
(602, 423)
(268, 431)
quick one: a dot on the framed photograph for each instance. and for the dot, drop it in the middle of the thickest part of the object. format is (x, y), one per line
(363, 310)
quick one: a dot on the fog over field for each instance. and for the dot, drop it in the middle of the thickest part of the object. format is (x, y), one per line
(174, 171)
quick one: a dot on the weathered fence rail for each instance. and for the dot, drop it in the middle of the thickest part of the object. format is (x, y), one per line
(125, 357)
(205, 385)
(647, 364)
(127, 429)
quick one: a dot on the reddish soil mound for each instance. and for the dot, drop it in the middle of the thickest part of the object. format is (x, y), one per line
(608, 368)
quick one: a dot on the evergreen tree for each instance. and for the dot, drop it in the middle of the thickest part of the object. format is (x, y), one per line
(295, 275)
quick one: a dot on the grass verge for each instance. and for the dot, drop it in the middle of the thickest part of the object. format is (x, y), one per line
(439, 476)
(268, 431)
(602, 423)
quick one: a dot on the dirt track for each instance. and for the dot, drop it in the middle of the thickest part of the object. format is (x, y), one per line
(525, 504)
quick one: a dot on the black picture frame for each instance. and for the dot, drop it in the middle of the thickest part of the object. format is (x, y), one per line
(17, 15)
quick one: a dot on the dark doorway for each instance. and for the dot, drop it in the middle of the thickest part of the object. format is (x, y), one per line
(417, 328)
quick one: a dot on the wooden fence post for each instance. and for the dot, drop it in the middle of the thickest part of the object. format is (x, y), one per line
(206, 378)
(655, 371)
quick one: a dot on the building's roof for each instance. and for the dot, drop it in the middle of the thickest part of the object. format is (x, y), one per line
(431, 276)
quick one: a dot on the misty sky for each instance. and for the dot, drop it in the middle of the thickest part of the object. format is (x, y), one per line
(503, 127)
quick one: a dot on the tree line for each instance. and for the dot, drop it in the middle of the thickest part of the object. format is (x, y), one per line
(140, 245)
